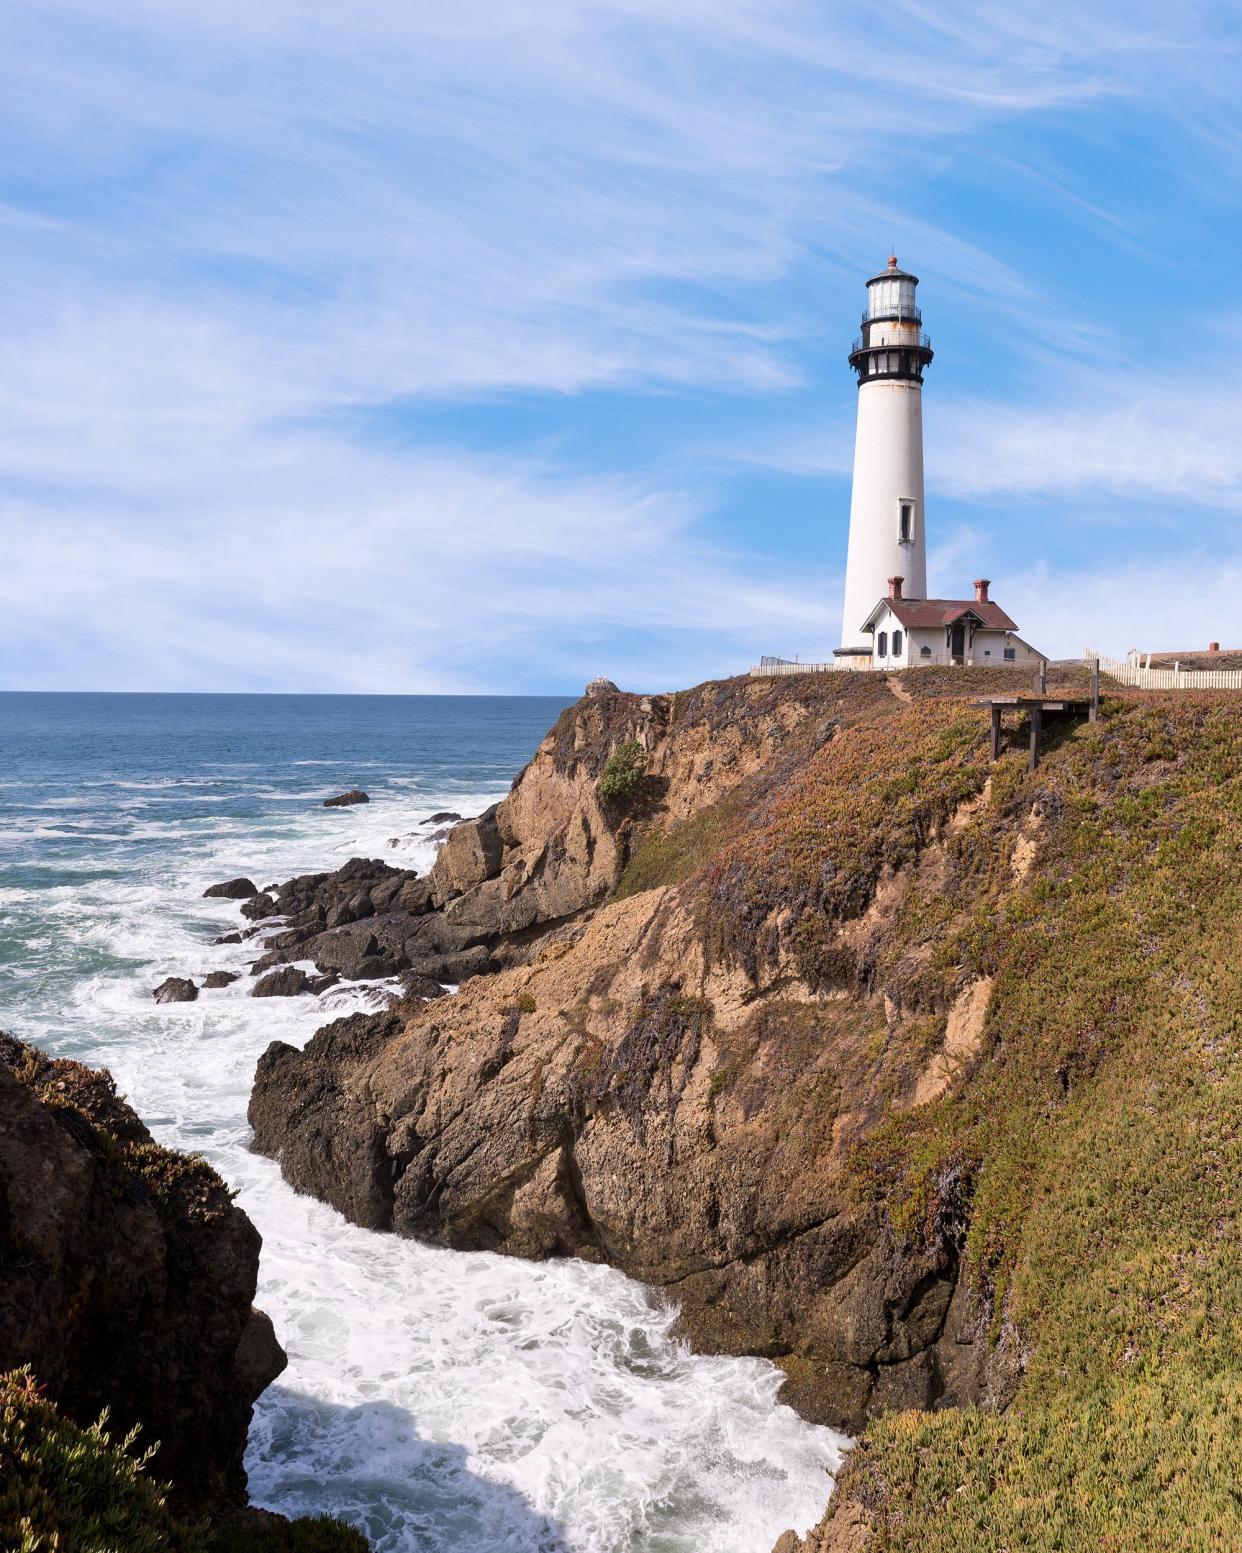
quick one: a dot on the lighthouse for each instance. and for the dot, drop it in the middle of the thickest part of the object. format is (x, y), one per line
(887, 517)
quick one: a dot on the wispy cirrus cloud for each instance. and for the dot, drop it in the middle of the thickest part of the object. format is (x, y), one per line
(231, 230)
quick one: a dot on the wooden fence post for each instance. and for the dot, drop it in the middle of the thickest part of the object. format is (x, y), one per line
(1095, 689)
(1036, 719)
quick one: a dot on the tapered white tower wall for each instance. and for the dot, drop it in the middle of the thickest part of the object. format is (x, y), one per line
(887, 515)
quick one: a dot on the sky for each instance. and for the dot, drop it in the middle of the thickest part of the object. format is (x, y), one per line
(413, 347)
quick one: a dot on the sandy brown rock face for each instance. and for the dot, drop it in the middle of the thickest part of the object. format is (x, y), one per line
(673, 1077)
(617, 1100)
(126, 1276)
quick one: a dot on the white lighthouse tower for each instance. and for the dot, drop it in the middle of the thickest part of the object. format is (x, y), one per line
(887, 518)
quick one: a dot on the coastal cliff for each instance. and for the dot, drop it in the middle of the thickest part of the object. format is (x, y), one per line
(127, 1276)
(906, 1069)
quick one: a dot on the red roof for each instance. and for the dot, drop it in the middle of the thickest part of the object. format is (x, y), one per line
(916, 614)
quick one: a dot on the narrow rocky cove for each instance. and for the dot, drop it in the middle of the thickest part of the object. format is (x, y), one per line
(764, 1009)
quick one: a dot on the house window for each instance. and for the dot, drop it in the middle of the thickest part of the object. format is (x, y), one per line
(905, 522)
(1011, 654)
(881, 645)
(896, 644)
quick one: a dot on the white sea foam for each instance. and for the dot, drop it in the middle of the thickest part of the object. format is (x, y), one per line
(446, 1403)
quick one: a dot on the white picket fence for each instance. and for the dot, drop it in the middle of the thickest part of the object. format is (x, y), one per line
(1132, 672)
(937, 660)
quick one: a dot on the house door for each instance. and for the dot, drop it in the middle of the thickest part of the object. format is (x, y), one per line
(958, 642)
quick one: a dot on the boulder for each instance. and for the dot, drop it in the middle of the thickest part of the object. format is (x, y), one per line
(258, 907)
(288, 982)
(215, 979)
(347, 949)
(443, 817)
(415, 897)
(470, 854)
(176, 989)
(414, 984)
(456, 966)
(231, 890)
(227, 938)
(352, 910)
(355, 795)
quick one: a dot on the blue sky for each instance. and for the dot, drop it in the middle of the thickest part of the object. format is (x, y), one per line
(489, 346)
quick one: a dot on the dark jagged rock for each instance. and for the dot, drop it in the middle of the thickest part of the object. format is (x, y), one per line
(288, 982)
(332, 1154)
(216, 979)
(442, 817)
(128, 1276)
(227, 938)
(415, 985)
(231, 890)
(259, 907)
(176, 989)
(342, 800)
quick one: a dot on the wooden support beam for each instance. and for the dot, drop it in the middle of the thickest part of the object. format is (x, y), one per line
(1036, 720)
(1041, 678)
(996, 731)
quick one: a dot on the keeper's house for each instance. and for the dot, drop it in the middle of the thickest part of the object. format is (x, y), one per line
(907, 632)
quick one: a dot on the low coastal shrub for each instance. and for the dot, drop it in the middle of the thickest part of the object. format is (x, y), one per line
(65, 1489)
(69, 1489)
(623, 773)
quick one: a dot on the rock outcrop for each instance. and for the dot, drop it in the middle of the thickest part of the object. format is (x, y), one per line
(620, 1089)
(343, 800)
(913, 1071)
(128, 1276)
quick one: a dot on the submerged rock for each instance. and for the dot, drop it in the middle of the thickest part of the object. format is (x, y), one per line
(355, 795)
(176, 989)
(215, 979)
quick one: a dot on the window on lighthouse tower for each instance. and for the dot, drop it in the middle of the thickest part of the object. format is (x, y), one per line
(905, 522)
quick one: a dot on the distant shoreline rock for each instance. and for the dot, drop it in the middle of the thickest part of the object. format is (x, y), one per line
(355, 795)
(176, 989)
(231, 890)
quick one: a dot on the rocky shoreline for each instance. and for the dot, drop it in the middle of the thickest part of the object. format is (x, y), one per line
(600, 1088)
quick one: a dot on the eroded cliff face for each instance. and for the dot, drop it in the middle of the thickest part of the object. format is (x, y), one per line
(917, 1072)
(126, 1277)
(672, 1077)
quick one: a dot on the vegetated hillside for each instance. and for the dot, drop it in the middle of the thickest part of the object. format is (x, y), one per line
(126, 1279)
(915, 1073)
(1099, 1142)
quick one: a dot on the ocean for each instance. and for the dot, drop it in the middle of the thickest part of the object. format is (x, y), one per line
(443, 1402)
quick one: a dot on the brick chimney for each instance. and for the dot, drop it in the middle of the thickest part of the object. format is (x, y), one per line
(894, 587)
(982, 584)
(1213, 646)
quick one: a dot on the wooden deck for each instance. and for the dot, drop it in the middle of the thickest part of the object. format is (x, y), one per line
(1038, 705)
